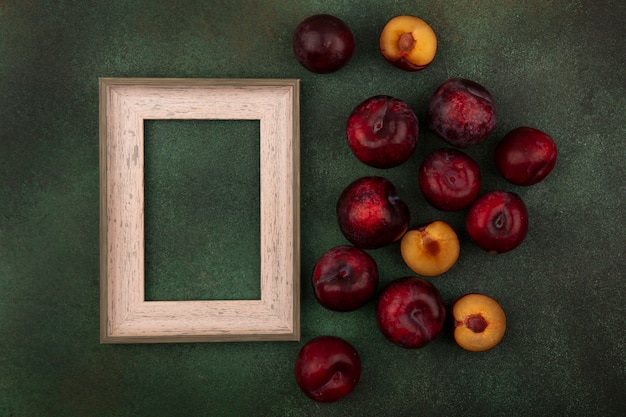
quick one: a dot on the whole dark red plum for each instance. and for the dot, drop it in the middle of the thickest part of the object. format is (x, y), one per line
(525, 156)
(449, 179)
(371, 214)
(323, 43)
(327, 368)
(497, 221)
(461, 112)
(410, 312)
(382, 131)
(344, 278)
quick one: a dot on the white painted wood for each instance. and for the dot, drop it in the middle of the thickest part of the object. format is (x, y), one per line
(126, 317)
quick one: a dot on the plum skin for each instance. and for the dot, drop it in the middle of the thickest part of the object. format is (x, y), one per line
(449, 179)
(461, 112)
(344, 278)
(525, 156)
(382, 131)
(370, 213)
(410, 312)
(323, 43)
(327, 368)
(497, 221)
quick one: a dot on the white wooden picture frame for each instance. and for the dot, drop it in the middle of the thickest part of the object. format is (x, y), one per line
(126, 316)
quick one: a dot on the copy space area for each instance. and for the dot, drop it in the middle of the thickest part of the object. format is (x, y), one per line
(202, 209)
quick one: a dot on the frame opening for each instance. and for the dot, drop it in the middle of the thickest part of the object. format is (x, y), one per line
(202, 210)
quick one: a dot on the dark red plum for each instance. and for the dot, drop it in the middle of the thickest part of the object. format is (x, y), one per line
(323, 43)
(525, 156)
(327, 368)
(371, 214)
(449, 179)
(382, 131)
(497, 221)
(410, 312)
(461, 112)
(344, 278)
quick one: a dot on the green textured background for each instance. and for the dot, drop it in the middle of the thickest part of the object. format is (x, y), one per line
(556, 65)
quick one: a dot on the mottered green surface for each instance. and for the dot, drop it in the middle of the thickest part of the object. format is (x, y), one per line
(555, 65)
